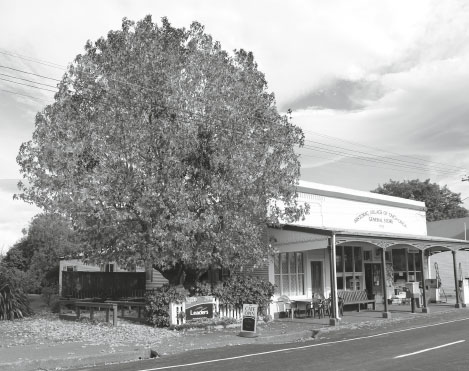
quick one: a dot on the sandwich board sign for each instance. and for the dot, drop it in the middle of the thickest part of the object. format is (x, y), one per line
(249, 322)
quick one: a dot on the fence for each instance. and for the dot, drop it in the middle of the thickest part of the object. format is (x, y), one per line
(177, 311)
(104, 285)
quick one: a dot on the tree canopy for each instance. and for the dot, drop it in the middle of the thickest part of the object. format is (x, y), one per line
(37, 254)
(441, 203)
(162, 147)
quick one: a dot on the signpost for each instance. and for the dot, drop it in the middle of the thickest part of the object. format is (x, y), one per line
(249, 323)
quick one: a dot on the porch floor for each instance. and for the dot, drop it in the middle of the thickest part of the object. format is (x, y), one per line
(401, 311)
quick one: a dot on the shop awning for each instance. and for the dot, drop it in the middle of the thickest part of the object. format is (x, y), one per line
(432, 244)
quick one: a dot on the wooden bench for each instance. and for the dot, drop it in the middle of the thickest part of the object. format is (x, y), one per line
(123, 304)
(357, 297)
(91, 305)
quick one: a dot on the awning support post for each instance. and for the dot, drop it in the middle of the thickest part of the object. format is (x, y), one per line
(424, 294)
(456, 282)
(334, 304)
(386, 313)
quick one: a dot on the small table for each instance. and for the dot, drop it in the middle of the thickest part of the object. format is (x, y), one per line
(300, 304)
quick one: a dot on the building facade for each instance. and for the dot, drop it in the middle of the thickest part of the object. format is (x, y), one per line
(353, 240)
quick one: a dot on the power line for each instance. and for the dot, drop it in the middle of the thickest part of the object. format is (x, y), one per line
(375, 158)
(346, 161)
(35, 60)
(385, 164)
(381, 150)
(24, 95)
(31, 86)
(331, 151)
(374, 155)
(336, 150)
(29, 73)
(34, 82)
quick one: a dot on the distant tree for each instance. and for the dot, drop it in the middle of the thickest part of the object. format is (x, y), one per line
(163, 148)
(441, 203)
(38, 253)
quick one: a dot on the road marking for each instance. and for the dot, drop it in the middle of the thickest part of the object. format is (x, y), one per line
(302, 347)
(428, 349)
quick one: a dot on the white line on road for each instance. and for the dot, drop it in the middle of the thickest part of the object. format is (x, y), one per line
(302, 347)
(428, 349)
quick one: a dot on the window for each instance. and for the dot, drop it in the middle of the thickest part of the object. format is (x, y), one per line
(415, 267)
(289, 274)
(349, 267)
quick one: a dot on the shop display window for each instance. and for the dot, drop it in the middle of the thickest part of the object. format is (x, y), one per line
(289, 274)
(349, 267)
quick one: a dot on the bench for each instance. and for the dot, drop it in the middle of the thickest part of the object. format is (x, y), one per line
(123, 304)
(91, 305)
(357, 297)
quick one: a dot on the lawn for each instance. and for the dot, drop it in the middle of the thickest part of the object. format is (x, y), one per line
(45, 327)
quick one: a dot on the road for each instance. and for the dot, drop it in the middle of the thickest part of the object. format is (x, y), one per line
(437, 346)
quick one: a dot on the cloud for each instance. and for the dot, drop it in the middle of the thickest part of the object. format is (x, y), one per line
(18, 215)
(339, 94)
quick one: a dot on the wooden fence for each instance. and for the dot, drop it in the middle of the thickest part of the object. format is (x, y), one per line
(103, 285)
(177, 311)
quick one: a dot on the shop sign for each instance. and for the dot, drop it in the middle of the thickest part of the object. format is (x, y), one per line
(249, 323)
(199, 307)
(380, 216)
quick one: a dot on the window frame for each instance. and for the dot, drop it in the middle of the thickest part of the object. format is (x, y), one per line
(295, 279)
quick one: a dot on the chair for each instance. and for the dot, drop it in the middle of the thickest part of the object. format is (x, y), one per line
(317, 308)
(284, 305)
(327, 307)
(340, 305)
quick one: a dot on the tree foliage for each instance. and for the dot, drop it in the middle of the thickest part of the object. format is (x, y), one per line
(441, 203)
(162, 147)
(36, 256)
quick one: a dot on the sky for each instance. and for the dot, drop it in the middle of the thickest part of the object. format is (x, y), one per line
(380, 88)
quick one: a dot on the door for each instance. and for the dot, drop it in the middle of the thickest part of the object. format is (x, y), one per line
(373, 278)
(316, 278)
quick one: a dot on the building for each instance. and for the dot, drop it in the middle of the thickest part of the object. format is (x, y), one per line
(347, 239)
(153, 278)
(450, 228)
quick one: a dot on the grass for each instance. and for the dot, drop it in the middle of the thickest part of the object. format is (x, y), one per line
(45, 327)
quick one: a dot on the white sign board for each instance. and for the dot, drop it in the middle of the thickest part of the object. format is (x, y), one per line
(249, 323)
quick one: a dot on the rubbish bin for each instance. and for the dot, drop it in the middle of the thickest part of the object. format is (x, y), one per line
(414, 294)
(416, 298)
(464, 289)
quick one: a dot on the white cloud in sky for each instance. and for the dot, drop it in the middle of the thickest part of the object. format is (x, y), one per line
(14, 216)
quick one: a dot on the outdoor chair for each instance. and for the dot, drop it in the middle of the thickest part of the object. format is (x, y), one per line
(327, 307)
(284, 305)
(315, 308)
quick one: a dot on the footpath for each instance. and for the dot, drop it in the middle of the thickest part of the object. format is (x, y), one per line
(83, 354)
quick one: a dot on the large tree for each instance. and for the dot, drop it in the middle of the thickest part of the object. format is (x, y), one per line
(441, 203)
(162, 147)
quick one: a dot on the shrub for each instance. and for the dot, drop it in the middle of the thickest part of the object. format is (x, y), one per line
(157, 305)
(48, 294)
(200, 289)
(205, 323)
(13, 303)
(239, 290)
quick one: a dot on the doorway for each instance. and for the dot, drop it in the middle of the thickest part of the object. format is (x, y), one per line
(316, 278)
(373, 279)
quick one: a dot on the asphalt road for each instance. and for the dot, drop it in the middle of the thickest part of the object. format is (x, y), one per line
(437, 346)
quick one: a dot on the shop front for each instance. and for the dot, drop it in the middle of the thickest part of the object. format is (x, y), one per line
(354, 241)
